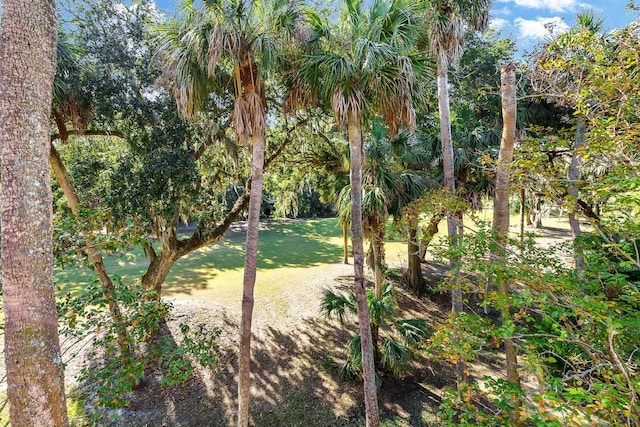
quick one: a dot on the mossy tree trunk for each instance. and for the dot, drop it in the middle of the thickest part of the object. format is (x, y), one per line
(35, 381)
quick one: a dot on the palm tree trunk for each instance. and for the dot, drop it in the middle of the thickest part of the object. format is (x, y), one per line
(574, 177)
(98, 263)
(448, 173)
(345, 243)
(376, 243)
(357, 243)
(249, 281)
(35, 379)
(501, 209)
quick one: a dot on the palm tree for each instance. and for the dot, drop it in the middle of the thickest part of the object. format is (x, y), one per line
(392, 178)
(501, 211)
(32, 349)
(370, 70)
(449, 21)
(391, 354)
(228, 47)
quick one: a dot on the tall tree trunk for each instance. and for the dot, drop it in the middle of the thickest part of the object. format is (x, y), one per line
(35, 379)
(448, 173)
(413, 275)
(249, 280)
(522, 218)
(345, 243)
(574, 177)
(501, 208)
(98, 263)
(357, 243)
(376, 243)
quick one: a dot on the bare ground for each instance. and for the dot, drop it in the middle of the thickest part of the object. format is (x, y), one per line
(296, 357)
(295, 362)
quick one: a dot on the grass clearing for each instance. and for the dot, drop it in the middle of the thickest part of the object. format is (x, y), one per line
(286, 249)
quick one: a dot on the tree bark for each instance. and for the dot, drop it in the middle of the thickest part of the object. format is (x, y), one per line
(523, 211)
(448, 173)
(538, 213)
(501, 209)
(357, 243)
(249, 280)
(428, 233)
(574, 177)
(35, 379)
(158, 270)
(71, 195)
(376, 243)
(413, 275)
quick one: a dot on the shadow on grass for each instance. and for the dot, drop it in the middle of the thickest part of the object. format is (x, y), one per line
(282, 244)
(294, 383)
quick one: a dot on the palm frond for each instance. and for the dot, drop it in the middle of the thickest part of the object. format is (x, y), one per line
(337, 305)
(342, 205)
(413, 331)
(383, 308)
(394, 356)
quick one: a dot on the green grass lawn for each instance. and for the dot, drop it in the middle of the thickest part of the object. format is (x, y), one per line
(284, 247)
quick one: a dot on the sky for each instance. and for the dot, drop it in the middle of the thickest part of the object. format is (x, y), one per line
(527, 21)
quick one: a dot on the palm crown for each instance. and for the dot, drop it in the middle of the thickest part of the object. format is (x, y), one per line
(370, 68)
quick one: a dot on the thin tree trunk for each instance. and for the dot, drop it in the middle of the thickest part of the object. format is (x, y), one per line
(522, 219)
(357, 243)
(98, 263)
(376, 243)
(574, 177)
(501, 209)
(448, 173)
(413, 275)
(538, 212)
(345, 243)
(35, 379)
(249, 281)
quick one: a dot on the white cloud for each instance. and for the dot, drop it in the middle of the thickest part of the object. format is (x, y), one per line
(540, 28)
(498, 23)
(553, 6)
(503, 11)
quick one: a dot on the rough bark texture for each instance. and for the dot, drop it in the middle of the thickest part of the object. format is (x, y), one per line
(357, 243)
(413, 276)
(501, 205)
(574, 177)
(35, 383)
(98, 263)
(448, 171)
(428, 233)
(249, 280)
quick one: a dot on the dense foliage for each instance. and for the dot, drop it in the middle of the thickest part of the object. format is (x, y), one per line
(152, 130)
